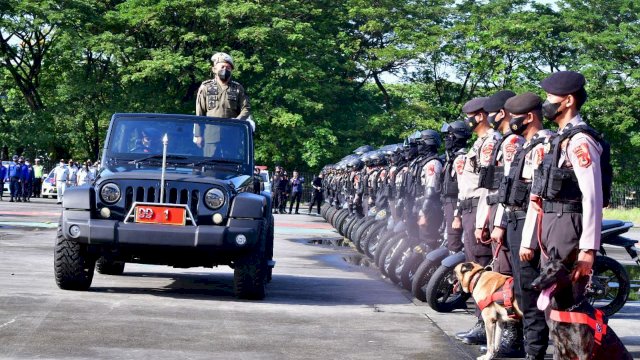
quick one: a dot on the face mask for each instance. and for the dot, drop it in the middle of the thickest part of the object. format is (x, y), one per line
(517, 126)
(472, 123)
(449, 142)
(492, 121)
(224, 74)
(550, 110)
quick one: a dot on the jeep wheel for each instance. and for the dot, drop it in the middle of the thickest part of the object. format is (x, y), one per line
(73, 266)
(108, 267)
(249, 277)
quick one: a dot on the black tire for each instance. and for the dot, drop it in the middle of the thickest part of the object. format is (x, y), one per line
(421, 278)
(109, 267)
(333, 215)
(387, 257)
(340, 219)
(361, 230)
(355, 227)
(399, 261)
(330, 214)
(249, 277)
(367, 235)
(373, 242)
(382, 245)
(323, 210)
(411, 268)
(346, 224)
(269, 249)
(611, 286)
(72, 264)
(442, 293)
(350, 226)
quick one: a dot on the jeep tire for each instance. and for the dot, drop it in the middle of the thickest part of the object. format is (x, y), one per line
(109, 267)
(72, 264)
(249, 277)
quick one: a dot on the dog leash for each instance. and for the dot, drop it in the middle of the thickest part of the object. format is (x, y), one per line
(540, 212)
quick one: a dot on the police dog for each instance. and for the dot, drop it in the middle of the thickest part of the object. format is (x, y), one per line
(482, 284)
(574, 340)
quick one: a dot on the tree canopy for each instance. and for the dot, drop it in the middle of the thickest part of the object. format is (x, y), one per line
(324, 77)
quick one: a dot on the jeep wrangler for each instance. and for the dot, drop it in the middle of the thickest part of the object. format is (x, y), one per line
(161, 197)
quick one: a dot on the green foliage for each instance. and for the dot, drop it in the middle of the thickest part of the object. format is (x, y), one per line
(324, 77)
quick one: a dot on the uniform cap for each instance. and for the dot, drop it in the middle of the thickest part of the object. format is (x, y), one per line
(15, 157)
(563, 83)
(222, 57)
(496, 101)
(523, 103)
(474, 105)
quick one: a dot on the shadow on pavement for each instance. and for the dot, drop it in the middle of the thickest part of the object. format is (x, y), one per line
(284, 289)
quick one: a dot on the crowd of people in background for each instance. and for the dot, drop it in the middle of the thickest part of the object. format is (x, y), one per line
(286, 189)
(26, 179)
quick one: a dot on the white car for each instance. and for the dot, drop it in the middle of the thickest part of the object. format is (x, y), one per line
(266, 180)
(49, 187)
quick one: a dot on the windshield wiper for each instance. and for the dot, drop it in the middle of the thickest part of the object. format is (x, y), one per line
(219, 162)
(157, 157)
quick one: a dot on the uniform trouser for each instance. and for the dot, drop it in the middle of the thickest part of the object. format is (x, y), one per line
(536, 331)
(277, 195)
(1, 189)
(474, 250)
(15, 187)
(316, 199)
(454, 236)
(37, 187)
(430, 233)
(283, 201)
(502, 263)
(26, 189)
(61, 186)
(295, 197)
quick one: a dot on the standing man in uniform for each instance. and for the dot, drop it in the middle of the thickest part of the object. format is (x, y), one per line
(219, 97)
(13, 174)
(317, 193)
(296, 190)
(61, 178)
(37, 183)
(471, 213)
(27, 180)
(73, 173)
(570, 202)
(3, 178)
(526, 119)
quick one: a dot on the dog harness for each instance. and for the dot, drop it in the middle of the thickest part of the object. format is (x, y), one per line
(504, 297)
(598, 324)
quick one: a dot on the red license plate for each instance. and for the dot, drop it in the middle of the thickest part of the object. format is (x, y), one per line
(166, 215)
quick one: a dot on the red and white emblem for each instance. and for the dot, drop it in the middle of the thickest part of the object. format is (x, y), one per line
(459, 164)
(486, 152)
(582, 153)
(431, 170)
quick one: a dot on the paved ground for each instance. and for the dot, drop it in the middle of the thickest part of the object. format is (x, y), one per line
(319, 306)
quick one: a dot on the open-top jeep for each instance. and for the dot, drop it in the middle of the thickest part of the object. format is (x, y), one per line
(161, 197)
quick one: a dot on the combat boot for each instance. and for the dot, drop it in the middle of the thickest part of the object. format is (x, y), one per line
(475, 336)
(511, 342)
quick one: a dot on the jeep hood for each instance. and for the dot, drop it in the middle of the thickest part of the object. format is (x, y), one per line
(220, 177)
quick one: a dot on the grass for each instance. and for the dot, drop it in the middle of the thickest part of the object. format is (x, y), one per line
(632, 215)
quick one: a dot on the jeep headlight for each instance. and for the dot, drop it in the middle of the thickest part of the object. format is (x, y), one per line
(214, 198)
(110, 193)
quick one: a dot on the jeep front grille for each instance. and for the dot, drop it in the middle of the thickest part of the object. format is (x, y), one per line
(172, 195)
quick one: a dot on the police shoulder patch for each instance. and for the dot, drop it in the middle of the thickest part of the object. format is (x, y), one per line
(581, 151)
(431, 169)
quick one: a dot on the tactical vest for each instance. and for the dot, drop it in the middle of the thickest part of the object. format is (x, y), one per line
(213, 94)
(450, 182)
(492, 174)
(555, 183)
(513, 191)
(413, 185)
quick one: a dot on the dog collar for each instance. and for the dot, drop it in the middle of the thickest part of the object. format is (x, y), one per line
(474, 280)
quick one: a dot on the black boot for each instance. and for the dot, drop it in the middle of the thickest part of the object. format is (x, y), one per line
(475, 336)
(511, 342)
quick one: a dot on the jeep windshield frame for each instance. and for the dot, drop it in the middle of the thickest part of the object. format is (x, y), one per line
(134, 138)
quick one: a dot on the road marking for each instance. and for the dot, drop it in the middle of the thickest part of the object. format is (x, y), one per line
(8, 323)
(30, 213)
(29, 224)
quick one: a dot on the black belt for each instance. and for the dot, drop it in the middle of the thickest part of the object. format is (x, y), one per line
(467, 204)
(493, 199)
(449, 199)
(561, 207)
(515, 215)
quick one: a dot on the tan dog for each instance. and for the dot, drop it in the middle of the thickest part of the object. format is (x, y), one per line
(482, 285)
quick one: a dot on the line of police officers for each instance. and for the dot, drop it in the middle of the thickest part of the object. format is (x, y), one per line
(517, 193)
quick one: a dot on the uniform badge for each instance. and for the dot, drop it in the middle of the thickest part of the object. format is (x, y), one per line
(538, 156)
(459, 163)
(486, 152)
(509, 151)
(431, 170)
(582, 153)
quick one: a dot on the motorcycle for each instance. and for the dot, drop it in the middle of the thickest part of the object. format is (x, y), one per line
(610, 284)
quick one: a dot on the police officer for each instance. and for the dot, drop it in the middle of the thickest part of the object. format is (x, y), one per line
(569, 192)
(38, 174)
(27, 178)
(526, 119)
(219, 97)
(430, 215)
(296, 190)
(471, 213)
(316, 199)
(3, 178)
(61, 178)
(13, 173)
(456, 136)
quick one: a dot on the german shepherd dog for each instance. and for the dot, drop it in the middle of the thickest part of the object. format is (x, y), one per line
(483, 284)
(574, 340)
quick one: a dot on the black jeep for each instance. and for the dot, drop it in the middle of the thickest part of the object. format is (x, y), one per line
(196, 210)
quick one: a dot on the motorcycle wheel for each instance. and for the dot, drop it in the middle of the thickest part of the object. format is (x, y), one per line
(355, 227)
(323, 210)
(443, 294)
(369, 234)
(383, 243)
(399, 262)
(411, 268)
(374, 241)
(347, 231)
(358, 236)
(421, 278)
(610, 283)
(387, 258)
(340, 219)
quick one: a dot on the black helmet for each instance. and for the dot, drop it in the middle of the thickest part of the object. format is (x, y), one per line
(363, 149)
(366, 158)
(430, 138)
(412, 139)
(457, 128)
(378, 158)
(355, 164)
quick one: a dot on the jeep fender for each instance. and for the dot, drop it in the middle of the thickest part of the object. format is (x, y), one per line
(453, 260)
(79, 197)
(248, 206)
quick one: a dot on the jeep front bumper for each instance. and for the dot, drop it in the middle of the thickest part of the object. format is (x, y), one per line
(237, 234)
